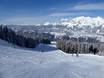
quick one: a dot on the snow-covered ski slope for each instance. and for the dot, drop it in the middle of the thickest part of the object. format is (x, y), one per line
(46, 61)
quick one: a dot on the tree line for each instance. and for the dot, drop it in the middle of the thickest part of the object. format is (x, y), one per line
(76, 47)
(11, 36)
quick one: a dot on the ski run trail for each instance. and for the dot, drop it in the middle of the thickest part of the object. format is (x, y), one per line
(46, 61)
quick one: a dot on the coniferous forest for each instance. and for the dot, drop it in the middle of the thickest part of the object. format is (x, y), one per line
(11, 36)
(77, 47)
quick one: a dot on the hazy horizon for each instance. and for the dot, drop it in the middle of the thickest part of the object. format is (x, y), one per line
(39, 11)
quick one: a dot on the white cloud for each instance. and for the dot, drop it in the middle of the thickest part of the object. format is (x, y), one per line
(24, 20)
(69, 14)
(93, 6)
(60, 14)
(18, 20)
(29, 20)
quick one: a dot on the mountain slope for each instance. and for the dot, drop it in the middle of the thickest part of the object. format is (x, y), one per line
(52, 63)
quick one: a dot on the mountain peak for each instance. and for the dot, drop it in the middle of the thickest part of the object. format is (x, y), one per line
(84, 21)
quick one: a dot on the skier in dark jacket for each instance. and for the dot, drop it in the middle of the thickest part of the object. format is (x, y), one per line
(95, 51)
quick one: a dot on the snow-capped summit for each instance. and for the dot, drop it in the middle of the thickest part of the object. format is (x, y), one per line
(84, 21)
(47, 23)
(81, 21)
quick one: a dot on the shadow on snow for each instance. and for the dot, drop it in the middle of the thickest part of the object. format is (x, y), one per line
(45, 48)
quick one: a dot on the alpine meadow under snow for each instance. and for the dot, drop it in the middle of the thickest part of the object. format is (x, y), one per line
(46, 61)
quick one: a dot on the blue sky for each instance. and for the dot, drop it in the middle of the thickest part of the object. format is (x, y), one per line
(40, 11)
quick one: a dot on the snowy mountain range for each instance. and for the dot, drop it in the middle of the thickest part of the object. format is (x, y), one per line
(80, 21)
(78, 26)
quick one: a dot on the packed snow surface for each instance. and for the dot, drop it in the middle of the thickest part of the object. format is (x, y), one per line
(46, 61)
